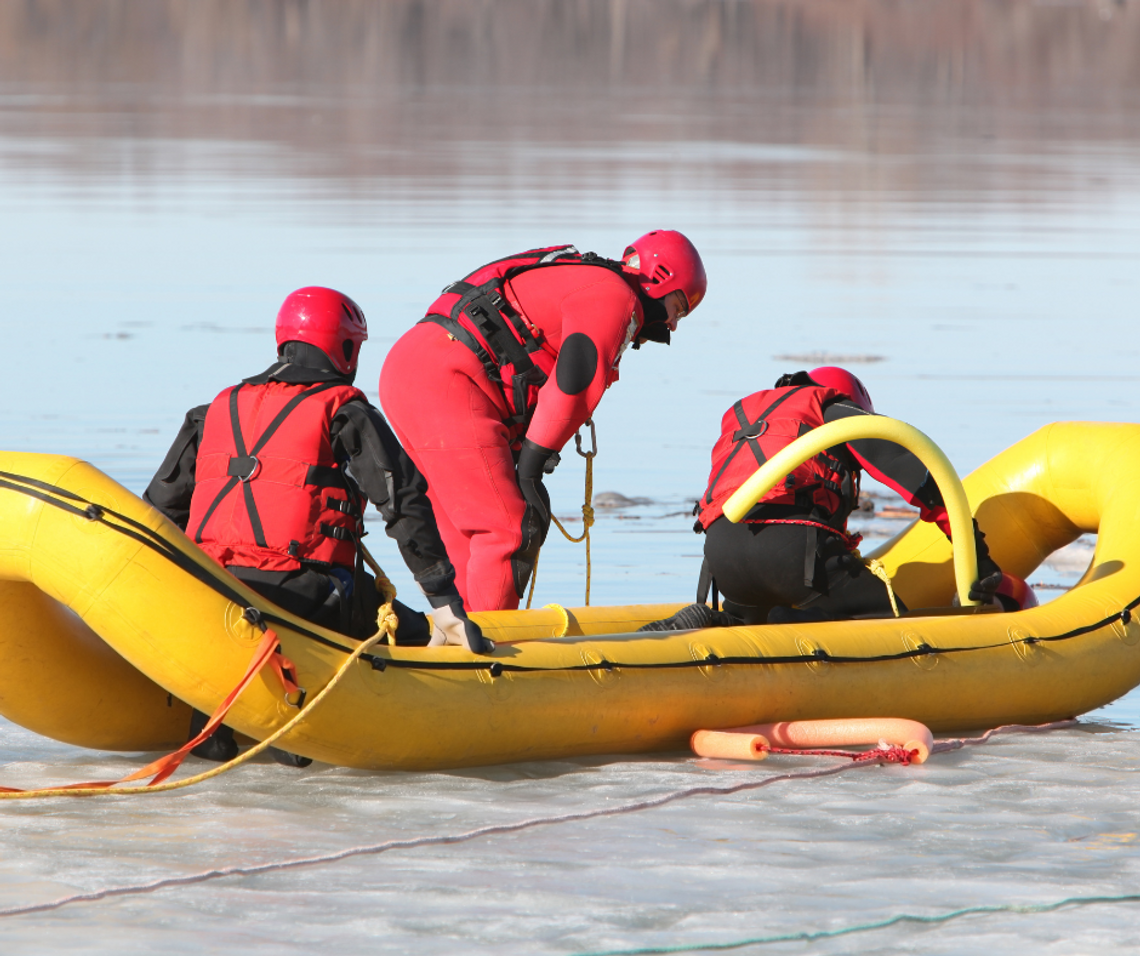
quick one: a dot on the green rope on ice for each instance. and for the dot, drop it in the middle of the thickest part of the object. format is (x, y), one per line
(812, 935)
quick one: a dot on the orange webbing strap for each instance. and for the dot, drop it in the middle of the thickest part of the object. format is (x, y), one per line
(285, 669)
(165, 766)
(266, 653)
(386, 626)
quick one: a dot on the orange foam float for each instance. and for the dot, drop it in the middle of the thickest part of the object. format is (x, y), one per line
(757, 741)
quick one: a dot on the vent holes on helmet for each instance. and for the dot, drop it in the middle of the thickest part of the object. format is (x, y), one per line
(661, 273)
(353, 315)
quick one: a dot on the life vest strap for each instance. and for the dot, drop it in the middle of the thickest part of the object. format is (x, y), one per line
(341, 534)
(243, 456)
(244, 467)
(325, 476)
(746, 427)
(344, 506)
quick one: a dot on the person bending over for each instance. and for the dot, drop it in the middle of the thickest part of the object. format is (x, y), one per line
(508, 364)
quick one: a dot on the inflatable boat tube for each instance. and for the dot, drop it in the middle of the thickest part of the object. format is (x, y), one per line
(138, 584)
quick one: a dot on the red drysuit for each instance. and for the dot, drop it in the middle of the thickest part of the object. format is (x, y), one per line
(455, 422)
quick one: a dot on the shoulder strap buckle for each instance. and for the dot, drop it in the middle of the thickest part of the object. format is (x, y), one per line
(754, 430)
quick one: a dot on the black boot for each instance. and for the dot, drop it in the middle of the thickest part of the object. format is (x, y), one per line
(219, 747)
(691, 618)
(288, 759)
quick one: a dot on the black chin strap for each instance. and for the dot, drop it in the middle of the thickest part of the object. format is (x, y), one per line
(655, 328)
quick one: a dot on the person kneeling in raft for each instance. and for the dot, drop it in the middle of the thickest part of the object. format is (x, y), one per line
(791, 558)
(506, 366)
(270, 480)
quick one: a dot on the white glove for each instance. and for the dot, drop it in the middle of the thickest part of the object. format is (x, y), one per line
(451, 625)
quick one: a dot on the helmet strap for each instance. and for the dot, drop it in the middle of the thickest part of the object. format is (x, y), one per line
(655, 328)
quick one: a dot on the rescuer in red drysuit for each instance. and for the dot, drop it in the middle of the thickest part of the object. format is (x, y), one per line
(791, 558)
(507, 365)
(271, 480)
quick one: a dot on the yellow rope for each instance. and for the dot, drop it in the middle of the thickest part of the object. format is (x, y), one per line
(533, 578)
(587, 513)
(387, 627)
(384, 585)
(877, 568)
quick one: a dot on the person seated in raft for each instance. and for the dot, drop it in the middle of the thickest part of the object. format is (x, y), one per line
(791, 558)
(270, 480)
(506, 366)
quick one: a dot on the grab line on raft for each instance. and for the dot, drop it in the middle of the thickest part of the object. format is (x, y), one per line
(941, 746)
(496, 668)
(152, 539)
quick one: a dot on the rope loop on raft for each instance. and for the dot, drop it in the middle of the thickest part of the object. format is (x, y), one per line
(386, 618)
(587, 512)
(877, 568)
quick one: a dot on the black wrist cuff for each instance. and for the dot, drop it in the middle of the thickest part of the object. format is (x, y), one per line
(532, 458)
(443, 600)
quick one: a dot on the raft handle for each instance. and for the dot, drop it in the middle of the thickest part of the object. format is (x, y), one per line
(253, 616)
(888, 429)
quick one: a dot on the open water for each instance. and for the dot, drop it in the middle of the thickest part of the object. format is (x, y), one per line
(943, 196)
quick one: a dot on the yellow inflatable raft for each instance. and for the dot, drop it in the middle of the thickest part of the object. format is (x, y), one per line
(110, 618)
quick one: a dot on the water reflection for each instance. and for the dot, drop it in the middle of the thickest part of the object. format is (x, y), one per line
(358, 89)
(951, 189)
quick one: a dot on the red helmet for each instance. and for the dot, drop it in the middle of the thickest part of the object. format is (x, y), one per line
(328, 319)
(665, 261)
(830, 376)
(1014, 594)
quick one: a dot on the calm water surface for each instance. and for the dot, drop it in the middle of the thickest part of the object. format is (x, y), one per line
(950, 204)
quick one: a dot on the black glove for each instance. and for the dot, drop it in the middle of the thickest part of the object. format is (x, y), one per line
(532, 464)
(989, 574)
(451, 625)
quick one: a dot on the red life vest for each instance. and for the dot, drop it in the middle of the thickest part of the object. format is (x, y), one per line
(764, 423)
(475, 311)
(268, 492)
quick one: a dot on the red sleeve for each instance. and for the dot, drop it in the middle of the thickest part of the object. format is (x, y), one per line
(589, 315)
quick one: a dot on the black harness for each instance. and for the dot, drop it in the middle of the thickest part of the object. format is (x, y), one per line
(506, 332)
